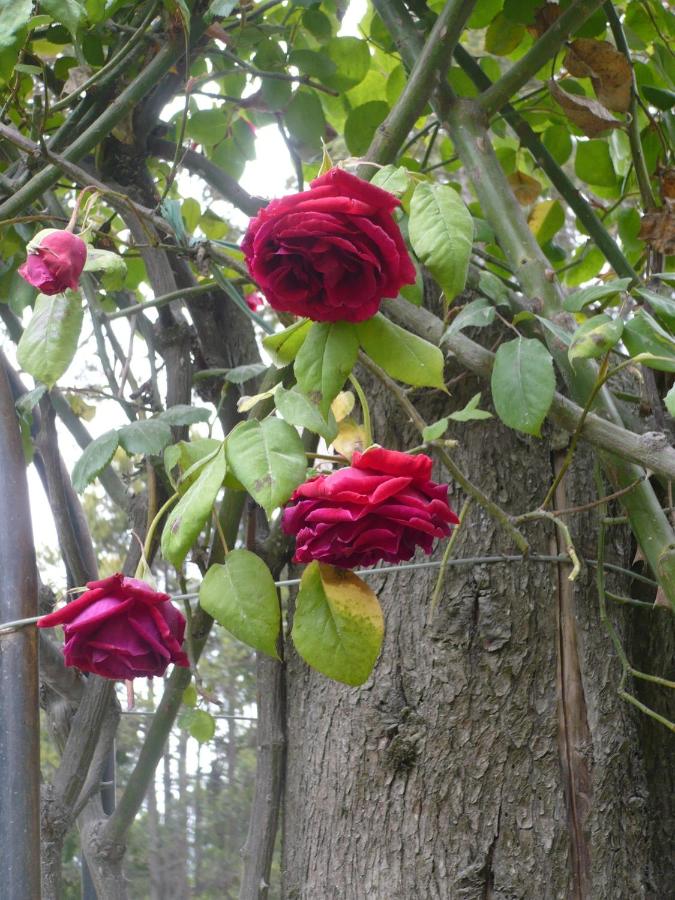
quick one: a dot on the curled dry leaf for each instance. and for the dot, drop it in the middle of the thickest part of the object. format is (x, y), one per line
(588, 115)
(658, 229)
(666, 178)
(525, 188)
(544, 17)
(609, 71)
(351, 437)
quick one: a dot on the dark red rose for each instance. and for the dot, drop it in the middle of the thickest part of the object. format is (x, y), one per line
(120, 628)
(383, 506)
(55, 261)
(331, 253)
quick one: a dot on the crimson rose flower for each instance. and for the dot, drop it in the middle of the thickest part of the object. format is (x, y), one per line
(120, 628)
(331, 253)
(55, 261)
(383, 506)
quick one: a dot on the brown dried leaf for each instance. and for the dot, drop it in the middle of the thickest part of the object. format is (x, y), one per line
(525, 187)
(588, 115)
(608, 69)
(658, 229)
(667, 183)
(544, 17)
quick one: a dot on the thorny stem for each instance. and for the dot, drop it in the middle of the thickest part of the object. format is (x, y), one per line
(627, 668)
(150, 536)
(563, 529)
(365, 409)
(602, 377)
(438, 587)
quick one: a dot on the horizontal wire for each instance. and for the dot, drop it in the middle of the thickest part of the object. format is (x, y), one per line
(8, 627)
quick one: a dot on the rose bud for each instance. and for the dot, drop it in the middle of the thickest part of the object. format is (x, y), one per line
(120, 628)
(55, 261)
(330, 253)
(381, 507)
(255, 301)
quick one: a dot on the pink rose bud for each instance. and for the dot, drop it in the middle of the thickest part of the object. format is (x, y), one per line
(55, 261)
(330, 253)
(255, 301)
(120, 628)
(382, 507)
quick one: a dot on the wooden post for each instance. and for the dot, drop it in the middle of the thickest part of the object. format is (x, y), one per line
(19, 711)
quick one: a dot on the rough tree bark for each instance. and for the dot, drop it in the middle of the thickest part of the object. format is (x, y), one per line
(488, 755)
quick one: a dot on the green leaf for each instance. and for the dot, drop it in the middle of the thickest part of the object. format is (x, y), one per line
(503, 36)
(49, 343)
(476, 314)
(184, 414)
(284, 345)
(494, 288)
(200, 724)
(338, 624)
(241, 374)
(297, 409)
(471, 411)
(190, 696)
(147, 437)
(402, 355)
(558, 142)
(221, 8)
(595, 337)
(352, 61)
(305, 120)
(14, 15)
(188, 517)
(68, 12)
(105, 261)
(94, 459)
(643, 334)
(546, 220)
(325, 361)
(576, 301)
(312, 63)
(269, 459)
(441, 234)
(661, 98)
(670, 401)
(663, 307)
(362, 123)
(242, 597)
(523, 384)
(27, 402)
(435, 431)
(395, 179)
(593, 163)
(186, 456)
(207, 126)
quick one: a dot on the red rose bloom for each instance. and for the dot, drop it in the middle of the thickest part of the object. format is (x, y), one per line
(120, 628)
(383, 506)
(331, 253)
(55, 261)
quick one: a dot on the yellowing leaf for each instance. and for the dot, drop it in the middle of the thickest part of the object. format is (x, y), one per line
(351, 437)
(342, 405)
(525, 188)
(338, 625)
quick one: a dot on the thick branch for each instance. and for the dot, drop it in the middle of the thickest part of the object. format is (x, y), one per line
(431, 68)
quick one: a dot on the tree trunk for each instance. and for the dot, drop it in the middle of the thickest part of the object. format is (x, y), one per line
(489, 754)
